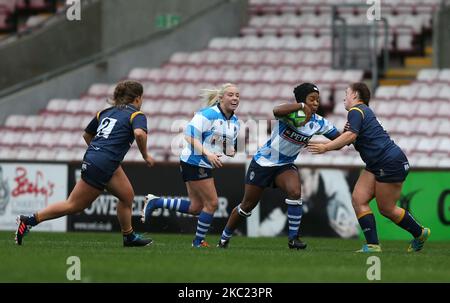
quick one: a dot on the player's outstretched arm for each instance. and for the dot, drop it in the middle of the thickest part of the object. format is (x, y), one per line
(344, 139)
(141, 140)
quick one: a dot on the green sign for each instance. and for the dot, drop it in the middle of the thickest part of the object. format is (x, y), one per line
(426, 195)
(167, 21)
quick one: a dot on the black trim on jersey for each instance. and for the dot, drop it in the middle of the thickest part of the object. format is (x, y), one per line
(232, 114)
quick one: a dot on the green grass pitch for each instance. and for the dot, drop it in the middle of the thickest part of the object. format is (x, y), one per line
(171, 258)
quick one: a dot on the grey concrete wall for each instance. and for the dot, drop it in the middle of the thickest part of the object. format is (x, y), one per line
(104, 25)
(192, 35)
(130, 20)
(441, 38)
(50, 47)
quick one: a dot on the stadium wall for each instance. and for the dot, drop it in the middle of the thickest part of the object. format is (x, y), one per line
(441, 41)
(193, 33)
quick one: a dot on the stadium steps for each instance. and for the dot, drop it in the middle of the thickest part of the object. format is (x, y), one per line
(399, 76)
(407, 74)
(394, 82)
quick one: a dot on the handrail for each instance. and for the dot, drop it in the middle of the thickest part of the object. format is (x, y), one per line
(343, 46)
(102, 55)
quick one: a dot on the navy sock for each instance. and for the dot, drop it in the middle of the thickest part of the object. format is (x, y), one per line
(410, 225)
(129, 237)
(31, 220)
(294, 217)
(369, 228)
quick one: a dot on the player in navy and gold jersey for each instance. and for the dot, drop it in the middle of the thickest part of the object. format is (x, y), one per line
(109, 137)
(211, 134)
(273, 163)
(386, 170)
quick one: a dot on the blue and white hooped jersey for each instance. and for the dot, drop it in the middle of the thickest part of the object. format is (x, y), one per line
(287, 141)
(216, 133)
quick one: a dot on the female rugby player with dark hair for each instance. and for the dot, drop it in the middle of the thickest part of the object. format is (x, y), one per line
(386, 170)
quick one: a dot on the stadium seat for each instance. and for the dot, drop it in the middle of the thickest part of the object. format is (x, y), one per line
(444, 76)
(428, 75)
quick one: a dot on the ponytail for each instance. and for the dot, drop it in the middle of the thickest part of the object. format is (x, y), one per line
(212, 96)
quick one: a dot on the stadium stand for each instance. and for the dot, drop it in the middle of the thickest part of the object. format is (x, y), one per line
(19, 16)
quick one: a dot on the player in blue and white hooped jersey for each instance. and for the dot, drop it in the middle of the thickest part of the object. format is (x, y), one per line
(211, 134)
(386, 170)
(273, 163)
(109, 136)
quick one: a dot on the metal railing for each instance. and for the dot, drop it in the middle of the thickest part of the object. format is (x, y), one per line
(365, 56)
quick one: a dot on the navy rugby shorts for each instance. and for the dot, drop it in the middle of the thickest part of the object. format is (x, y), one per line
(264, 176)
(393, 170)
(191, 172)
(94, 176)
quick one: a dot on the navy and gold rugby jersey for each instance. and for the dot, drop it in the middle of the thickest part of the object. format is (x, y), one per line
(114, 134)
(373, 142)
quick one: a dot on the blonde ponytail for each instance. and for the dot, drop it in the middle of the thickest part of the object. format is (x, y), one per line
(212, 96)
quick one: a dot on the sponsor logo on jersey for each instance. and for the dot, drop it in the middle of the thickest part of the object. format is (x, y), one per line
(295, 137)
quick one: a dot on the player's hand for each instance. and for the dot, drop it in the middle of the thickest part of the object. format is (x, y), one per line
(214, 159)
(231, 153)
(317, 148)
(149, 161)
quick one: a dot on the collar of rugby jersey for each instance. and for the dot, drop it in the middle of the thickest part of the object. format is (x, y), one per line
(232, 113)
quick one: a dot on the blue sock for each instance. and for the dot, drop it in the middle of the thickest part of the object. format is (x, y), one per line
(226, 234)
(294, 217)
(177, 204)
(204, 221)
(410, 225)
(369, 228)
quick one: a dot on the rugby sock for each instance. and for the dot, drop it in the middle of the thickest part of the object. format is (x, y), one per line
(31, 220)
(294, 217)
(407, 222)
(369, 228)
(128, 235)
(295, 211)
(177, 204)
(226, 234)
(204, 221)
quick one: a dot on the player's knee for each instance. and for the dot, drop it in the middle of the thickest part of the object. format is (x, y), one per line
(212, 206)
(74, 208)
(388, 212)
(294, 194)
(244, 211)
(195, 209)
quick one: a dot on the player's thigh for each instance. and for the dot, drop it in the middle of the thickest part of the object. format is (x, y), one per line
(364, 190)
(387, 195)
(204, 190)
(119, 185)
(83, 195)
(252, 196)
(289, 182)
